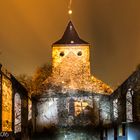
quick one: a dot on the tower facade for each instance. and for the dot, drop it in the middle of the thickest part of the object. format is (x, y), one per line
(71, 57)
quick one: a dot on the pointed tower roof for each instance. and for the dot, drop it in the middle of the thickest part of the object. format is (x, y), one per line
(70, 36)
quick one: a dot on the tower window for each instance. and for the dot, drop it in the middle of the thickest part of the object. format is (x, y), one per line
(61, 53)
(79, 53)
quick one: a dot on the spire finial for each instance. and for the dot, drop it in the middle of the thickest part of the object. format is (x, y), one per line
(69, 8)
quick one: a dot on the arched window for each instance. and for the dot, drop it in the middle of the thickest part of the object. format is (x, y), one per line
(17, 109)
(6, 104)
(129, 113)
(29, 109)
(115, 108)
(80, 105)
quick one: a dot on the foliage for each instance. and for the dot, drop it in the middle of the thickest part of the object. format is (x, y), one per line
(26, 81)
(40, 75)
(34, 83)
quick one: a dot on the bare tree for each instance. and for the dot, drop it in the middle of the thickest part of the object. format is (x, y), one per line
(34, 83)
(40, 75)
(26, 81)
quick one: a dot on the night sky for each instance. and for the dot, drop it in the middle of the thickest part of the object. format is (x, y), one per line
(29, 27)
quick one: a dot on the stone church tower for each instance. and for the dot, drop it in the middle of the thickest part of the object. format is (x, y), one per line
(71, 57)
(71, 64)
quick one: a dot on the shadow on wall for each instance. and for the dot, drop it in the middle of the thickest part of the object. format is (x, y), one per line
(133, 131)
(49, 132)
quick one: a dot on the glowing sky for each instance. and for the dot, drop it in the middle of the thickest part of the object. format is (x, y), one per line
(29, 27)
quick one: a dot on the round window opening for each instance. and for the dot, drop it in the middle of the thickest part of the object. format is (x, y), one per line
(79, 53)
(61, 53)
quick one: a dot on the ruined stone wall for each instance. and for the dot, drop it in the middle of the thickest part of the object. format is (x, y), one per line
(132, 85)
(72, 110)
(46, 113)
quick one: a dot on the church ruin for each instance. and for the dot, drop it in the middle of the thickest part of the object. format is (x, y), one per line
(71, 96)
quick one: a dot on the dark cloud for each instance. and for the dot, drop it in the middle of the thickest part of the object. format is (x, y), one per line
(28, 28)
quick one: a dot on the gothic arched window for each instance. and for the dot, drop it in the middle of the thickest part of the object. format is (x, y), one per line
(17, 109)
(129, 108)
(29, 109)
(115, 108)
(6, 104)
